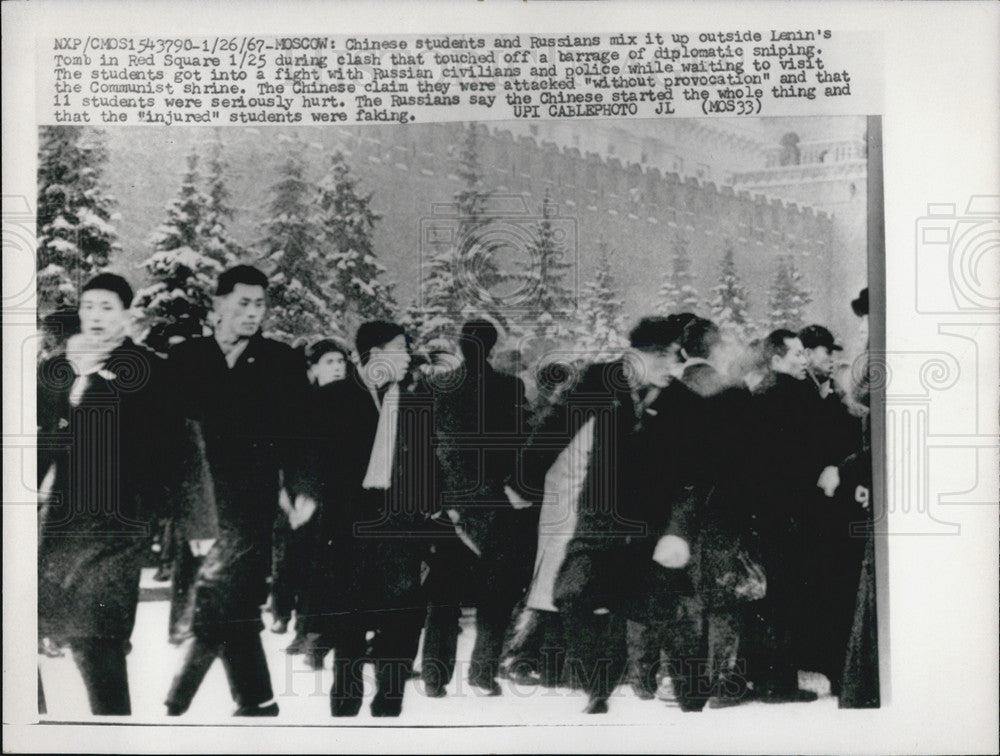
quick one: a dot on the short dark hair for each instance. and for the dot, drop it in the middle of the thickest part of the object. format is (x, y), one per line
(655, 334)
(774, 344)
(700, 337)
(111, 282)
(478, 333)
(682, 318)
(860, 305)
(239, 274)
(315, 351)
(375, 333)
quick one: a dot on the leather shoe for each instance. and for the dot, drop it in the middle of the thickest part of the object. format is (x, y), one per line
(491, 686)
(271, 710)
(435, 691)
(787, 696)
(597, 706)
(386, 707)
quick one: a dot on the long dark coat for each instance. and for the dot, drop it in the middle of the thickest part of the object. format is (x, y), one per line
(375, 541)
(636, 489)
(249, 420)
(787, 452)
(727, 528)
(480, 426)
(108, 451)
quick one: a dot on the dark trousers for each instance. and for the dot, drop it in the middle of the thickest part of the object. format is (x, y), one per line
(596, 652)
(242, 656)
(290, 561)
(394, 648)
(537, 644)
(441, 629)
(770, 648)
(101, 662)
(494, 604)
(449, 585)
(683, 641)
(492, 620)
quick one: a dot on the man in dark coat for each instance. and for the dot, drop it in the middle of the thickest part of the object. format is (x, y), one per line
(788, 453)
(850, 487)
(102, 441)
(241, 391)
(834, 554)
(479, 421)
(726, 541)
(631, 534)
(369, 465)
(295, 550)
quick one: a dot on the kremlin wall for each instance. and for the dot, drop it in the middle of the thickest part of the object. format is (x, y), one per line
(639, 211)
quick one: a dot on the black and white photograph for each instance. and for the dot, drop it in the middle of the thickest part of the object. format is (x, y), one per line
(571, 415)
(500, 377)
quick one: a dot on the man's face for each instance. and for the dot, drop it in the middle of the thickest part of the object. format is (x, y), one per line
(863, 327)
(102, 315)
(329, 368)
(820, 360)
(656, 368)
(242, 311)
(389, 362)
(794, 361)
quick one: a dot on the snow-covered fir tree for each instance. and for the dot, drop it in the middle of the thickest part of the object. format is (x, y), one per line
(729, 305)
(475, 256)
(600, 319)
(348, 224)
(302, 300)
(678, 294)
(549, 299)
(182, 275)
(218, 213)
(75, 231)
(456, 278)
(788, 298)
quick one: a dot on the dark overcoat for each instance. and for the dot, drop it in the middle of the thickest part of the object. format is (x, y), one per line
(247, 422)
(727, 532)
(787, 452)
(637, 488)
(373, 541)
(480, 425)
(107, 454)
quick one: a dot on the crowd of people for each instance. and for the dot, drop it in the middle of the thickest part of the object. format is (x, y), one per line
(688, 518)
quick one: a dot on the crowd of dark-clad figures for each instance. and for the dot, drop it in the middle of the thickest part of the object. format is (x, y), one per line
(690, 517)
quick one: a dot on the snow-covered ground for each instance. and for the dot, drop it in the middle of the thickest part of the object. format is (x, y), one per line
(303, 694)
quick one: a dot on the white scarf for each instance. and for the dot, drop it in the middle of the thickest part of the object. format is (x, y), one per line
(384, 446)
(88, 356)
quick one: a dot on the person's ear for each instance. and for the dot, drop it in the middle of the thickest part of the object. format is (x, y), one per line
(683, 354)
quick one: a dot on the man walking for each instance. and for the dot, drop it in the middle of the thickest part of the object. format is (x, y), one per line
(242, 391)
(102, 444)
(478, 428)
(368, 469)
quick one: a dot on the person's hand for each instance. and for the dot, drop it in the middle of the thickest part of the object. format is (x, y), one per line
(515, 501)
(201, 546)
(672, 552)
(829, 480)
(303, 510)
